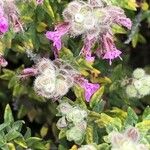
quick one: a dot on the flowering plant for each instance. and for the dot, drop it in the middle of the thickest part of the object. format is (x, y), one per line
(61, 75)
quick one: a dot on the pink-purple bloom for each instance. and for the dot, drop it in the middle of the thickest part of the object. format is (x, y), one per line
(56, 35)
(3, 25)
(108, 49)
(93, 20)
(89, 88)
(86, 49)
(28, 72)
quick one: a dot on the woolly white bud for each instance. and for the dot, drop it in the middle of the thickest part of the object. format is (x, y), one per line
(131, 91)
(73, 116)
(74, 134)
(44, 85)
(145, 80)
(79, 18)
(144, 90)
(61, 88)
(138, 73)
(61, 123)
(138, 84)
(44, 64)
(64, 108)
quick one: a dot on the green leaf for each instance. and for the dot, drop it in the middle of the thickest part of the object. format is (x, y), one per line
(62, 134)
(135, 40)
(8, 117)
(146, 114)
(3, 126)
(32, 140)
(13, 135)
(21, 142)
(48, 8)
(18, 125)
(89, 135)
(132, 118)
(96, 97)
(28, 133)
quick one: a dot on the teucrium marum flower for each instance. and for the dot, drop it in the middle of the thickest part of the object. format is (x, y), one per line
(139, 85)
(74, 134)
(74, 120)
(138, 73)
(131, 91)
(54, 78)
(64, 108)
(93, 20)
(128, 140)
(73, 116)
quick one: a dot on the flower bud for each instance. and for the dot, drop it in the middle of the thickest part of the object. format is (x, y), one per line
(64, 108)
(45, 64)
(138, 73)
(74, 134)
(137, 84)
(131, 91)
(144, 90)
(76, 115)
(61, 123)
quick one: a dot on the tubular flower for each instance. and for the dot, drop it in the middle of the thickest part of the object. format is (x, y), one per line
(109, 51)
(9, 16)
(92, 20)
(56, 35)
(89, 88)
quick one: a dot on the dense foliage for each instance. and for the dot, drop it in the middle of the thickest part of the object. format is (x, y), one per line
(74, 75)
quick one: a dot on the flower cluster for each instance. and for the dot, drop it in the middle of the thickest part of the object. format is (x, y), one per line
(9, 16)
(93, 20)
(129, 140)
(54, 78)
(140, 84)
(73, 120)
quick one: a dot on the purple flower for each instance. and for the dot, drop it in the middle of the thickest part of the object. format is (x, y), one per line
(89, 88)
(28, 72)
(112, 55)
(126, 22)
(118, 16)
(109, 50)
(56, 35)
(3, 25)
(86, 50)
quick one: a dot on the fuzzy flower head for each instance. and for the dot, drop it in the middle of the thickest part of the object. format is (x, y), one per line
(54, 78)
(128, 140)
(73, 120)
(139, 85)
(93, 19)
